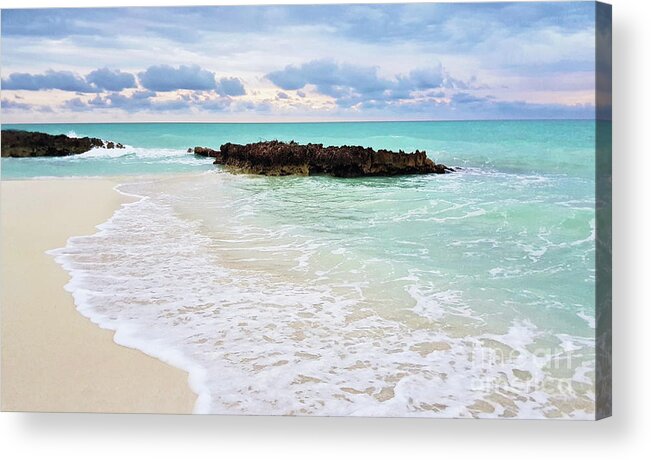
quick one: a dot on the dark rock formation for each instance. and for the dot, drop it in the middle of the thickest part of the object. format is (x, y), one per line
(204, 152)
(275, 158)
(33, 144)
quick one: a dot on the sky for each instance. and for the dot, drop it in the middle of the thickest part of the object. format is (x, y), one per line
(419, 61)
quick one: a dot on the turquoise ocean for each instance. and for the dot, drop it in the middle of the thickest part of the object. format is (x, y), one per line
(458, 295)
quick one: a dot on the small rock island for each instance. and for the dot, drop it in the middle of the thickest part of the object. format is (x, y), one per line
(23, 144)
(276, 158)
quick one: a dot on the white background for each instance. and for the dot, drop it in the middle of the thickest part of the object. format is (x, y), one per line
(625, 435)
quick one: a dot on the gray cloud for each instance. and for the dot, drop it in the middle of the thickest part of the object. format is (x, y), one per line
(63, 80)
(96, 81)
(144, 100)
(138, 101)
(161, 78)
(330, 77)
(350, 84)
(230, 87)
(8, 104)
(111, 80)
(167, 78)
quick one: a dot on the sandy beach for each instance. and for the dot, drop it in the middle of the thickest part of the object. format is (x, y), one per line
(53, 358)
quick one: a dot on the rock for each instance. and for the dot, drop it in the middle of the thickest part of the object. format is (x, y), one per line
(204, 152)
(275, 158)
(113, 145)
(34, 144)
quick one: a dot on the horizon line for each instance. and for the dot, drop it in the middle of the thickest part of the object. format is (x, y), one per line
(299, 122)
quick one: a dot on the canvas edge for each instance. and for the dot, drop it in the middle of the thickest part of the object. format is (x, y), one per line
(603, 210)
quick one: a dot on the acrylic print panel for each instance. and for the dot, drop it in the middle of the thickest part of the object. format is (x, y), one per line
(344, 210)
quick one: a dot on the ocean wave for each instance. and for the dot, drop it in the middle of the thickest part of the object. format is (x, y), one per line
(268, 322)
(142, 153)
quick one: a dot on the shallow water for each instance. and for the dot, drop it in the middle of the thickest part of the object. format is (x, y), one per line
(468, 294)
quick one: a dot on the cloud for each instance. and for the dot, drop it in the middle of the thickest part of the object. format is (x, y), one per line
(253, 106)
(291, 78)
(466, 98)
(216, 105)
(136, 102)
(460, 105)
(162, 78)
(428, 23)
(192, 77)
(531, 51)
(428, 92)
(76, 105)
(146, 100)
(95, 81)
(8, 104)
(330, 77)
(347, 84)
(168, 78)
(350, 85)
(423, 80)
(53, 22)
(419, 79)
(230, 87)
(62, 80)
(111, 80)
(467, 105)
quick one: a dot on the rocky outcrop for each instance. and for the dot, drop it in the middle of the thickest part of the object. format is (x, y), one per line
(204, 152)
(22, 144)
(113, 145)
(275, 158)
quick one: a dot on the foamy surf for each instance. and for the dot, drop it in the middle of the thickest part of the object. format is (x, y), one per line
(273, 314)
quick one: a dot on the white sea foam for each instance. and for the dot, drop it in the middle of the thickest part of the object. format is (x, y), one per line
(141, 153)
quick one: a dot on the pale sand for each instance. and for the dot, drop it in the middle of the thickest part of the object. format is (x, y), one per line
(53, 358)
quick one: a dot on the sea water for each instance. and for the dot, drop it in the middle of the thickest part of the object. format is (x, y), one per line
(457, 295)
